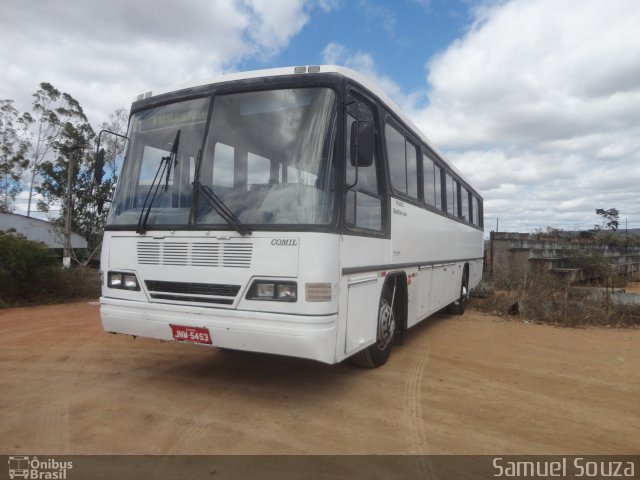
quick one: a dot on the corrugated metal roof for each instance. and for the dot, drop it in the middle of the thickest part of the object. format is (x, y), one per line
(39, 230)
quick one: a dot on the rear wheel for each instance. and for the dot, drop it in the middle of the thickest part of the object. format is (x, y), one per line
(377, 354)
(458, 307)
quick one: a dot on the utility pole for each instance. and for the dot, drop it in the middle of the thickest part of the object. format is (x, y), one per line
(66, 256)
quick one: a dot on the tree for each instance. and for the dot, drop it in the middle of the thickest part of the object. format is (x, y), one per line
(67, 179)
(52, 109)
(14, 144)
(609, 219)
(90, 176)
(66, 172)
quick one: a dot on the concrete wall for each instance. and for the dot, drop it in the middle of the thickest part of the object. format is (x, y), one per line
(512, 257)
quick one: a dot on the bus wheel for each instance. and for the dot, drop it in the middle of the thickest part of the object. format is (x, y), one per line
(458, 307)
(378, 353)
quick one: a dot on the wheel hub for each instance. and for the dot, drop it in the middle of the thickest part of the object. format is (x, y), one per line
(386, 325)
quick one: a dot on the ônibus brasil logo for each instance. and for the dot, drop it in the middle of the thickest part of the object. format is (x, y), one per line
(36, 469)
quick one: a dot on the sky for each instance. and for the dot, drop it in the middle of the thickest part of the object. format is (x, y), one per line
(536, 102)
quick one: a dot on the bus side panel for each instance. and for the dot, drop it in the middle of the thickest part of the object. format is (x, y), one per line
(440, 246)
(362, 312)
(423, 287)
(360, 292)
(435, 290)
(421, 236)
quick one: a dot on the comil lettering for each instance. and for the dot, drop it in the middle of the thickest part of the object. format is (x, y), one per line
(284, 242)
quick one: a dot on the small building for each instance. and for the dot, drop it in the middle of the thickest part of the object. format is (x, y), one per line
(40, 231)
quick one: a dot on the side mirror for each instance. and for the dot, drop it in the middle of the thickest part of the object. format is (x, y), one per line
(100, 153)
(362, 144)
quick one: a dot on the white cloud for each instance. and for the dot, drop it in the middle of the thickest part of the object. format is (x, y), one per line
(534, 70)
(544, 96)
(104, 55)
(276, 22)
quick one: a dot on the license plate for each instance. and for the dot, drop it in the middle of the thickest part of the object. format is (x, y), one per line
(191, 334)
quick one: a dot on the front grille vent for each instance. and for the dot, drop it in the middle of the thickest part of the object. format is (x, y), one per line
(196, 254)
(192, 292)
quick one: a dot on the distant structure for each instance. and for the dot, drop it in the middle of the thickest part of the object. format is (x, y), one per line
(39, 230)
(512, 257)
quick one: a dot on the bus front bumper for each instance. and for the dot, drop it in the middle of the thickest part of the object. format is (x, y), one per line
(304, 336)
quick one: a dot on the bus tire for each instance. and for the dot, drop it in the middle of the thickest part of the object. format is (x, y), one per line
(458, 307)
(377, 354)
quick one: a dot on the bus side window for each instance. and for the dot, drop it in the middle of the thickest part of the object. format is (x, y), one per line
(397, 159)
(456, 200)
(477, 213)
(363, 200)
(432, 187)
(464, 204)
(412, 170)
(403, 162)
(437, 184)
(452, 195)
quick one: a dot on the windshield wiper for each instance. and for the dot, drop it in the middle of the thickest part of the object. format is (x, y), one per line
(165, 167)
(214, 200)
(220, 207)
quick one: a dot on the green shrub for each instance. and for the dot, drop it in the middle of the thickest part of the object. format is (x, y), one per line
(25, 266)
(78, 282)
(30, 273)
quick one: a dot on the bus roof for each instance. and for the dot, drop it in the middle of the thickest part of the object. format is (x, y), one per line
(300, 70)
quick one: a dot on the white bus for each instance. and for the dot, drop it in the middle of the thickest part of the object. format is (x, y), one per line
(291, 211)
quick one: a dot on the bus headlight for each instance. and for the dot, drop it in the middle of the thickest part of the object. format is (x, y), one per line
(287, 292)
(265, 290)
(273, 290)
(123, 281)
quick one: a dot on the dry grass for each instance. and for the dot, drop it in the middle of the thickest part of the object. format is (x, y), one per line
(546, 299)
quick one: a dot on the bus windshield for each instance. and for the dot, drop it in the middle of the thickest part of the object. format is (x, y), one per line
(267, 155)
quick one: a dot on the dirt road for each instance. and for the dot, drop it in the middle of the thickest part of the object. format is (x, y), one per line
(474, 384)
